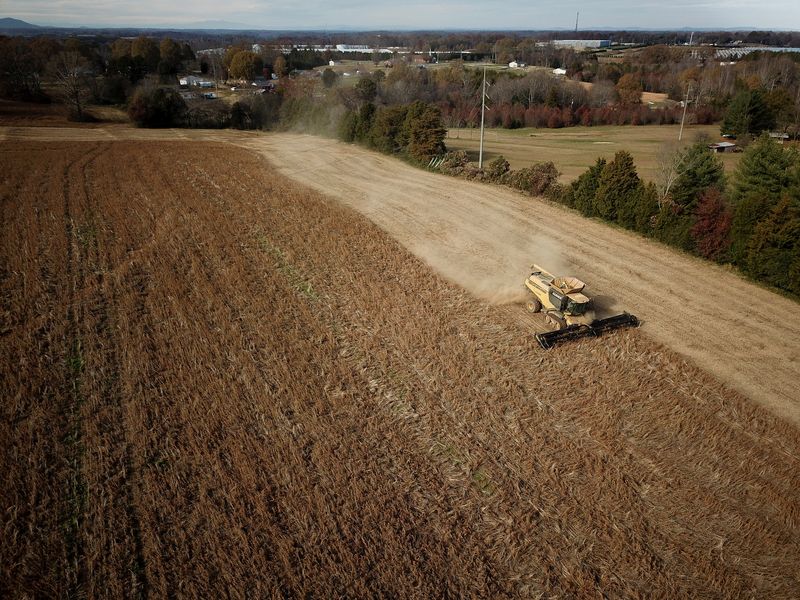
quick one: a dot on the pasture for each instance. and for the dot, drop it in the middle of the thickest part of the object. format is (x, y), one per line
(574, 149)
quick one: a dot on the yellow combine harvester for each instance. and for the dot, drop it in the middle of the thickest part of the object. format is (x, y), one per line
(567, 309)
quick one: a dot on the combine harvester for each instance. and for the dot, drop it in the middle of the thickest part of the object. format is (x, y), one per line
(567, 309)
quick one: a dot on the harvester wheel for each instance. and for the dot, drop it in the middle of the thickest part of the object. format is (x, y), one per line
(533, 306)
(556, 320)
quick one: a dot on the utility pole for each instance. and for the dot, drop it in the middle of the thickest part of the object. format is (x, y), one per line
(685, 105)
(483, 109)
(578, 14)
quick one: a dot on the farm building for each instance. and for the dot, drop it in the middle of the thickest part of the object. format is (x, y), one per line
(723, 147)
(779, 136)
(582, 44)
(193, 81)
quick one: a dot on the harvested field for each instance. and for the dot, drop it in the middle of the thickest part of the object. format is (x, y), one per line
(485, 237)
(218, 382)
(25, 114)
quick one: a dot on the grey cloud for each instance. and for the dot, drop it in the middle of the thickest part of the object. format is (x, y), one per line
(383, 14)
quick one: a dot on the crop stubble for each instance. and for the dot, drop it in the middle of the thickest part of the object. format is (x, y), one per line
(220, 380)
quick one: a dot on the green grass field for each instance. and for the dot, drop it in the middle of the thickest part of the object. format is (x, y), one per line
(574, 149)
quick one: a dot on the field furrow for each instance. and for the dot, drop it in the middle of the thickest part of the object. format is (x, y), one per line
(237, 386)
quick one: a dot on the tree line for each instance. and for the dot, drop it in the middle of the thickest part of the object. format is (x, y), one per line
(751, 221)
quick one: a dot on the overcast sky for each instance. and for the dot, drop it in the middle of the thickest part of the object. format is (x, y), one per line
(413, 14)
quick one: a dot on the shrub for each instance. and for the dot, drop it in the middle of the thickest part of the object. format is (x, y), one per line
(473, 172)
(157, 107)
(453, 163)
(497, 168)
(535, 180)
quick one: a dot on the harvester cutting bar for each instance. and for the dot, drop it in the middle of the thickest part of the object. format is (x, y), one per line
(551, 338)
(615, 322)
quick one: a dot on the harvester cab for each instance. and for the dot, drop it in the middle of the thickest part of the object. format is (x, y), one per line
(567, 308)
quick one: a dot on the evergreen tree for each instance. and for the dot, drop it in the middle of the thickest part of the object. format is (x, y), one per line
(647, 209)
(764, 172)
(386, 129)
(699, 170)
(329, 77)
(673, 227)
(619, 191)
(765, 168)
(366, 114)
(425, 133)
(747, 113)
(773, 253)
(584, 189)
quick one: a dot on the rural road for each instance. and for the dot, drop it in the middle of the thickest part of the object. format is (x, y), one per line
(485, 237)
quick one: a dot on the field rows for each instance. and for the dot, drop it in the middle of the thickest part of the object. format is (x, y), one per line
(222, 382)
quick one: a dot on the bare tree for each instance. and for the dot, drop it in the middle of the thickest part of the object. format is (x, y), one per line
(72, 77)
(669, 161)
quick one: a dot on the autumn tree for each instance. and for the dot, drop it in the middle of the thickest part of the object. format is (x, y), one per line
(712, 226)
(279, 66)
(629, 89)
(424, 130)
(385, 134)
(245, 65)
(146, 49)
(170, 53)
(156, 107)
(120, 48)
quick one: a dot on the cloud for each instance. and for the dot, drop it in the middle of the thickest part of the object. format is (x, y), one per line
(383, 14)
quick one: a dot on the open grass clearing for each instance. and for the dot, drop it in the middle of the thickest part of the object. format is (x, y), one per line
(574, 149)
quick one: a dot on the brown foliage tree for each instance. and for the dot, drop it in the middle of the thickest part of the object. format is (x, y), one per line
(711, 231)
(629, 89)
(245, 65)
